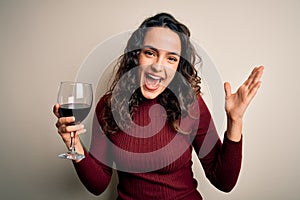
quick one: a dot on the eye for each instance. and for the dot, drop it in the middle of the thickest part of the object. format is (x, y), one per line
(173, 59)
(149, 53)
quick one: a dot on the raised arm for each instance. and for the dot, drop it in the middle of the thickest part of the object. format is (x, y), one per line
(237, 103)
(94, 174)
(222, 161)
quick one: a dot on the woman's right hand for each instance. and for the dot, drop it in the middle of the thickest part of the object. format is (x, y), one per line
(66, 130)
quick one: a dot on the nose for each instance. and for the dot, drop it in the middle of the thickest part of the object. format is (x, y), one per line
(158, 65)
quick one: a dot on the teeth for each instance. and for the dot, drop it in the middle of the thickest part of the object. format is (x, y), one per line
(154, 77)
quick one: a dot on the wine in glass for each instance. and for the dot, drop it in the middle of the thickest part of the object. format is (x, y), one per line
(75, 99)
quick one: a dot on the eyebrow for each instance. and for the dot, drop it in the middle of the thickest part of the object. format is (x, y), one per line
(155, 49)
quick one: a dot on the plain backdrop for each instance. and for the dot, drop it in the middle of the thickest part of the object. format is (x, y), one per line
(44, 42)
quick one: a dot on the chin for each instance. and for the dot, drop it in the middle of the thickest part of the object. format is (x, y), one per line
(150, 94)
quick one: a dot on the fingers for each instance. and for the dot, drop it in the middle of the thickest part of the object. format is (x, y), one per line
(56, 110)
(254, 76)
(227, 89)
(66, 128)
(67, 132)
(69, 129)
(63, 125)
(250, 78)
(254, 81)
(64, 121)
(81, 131)
(254, 89)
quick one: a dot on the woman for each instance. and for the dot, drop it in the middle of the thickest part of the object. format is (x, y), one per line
(155, 102)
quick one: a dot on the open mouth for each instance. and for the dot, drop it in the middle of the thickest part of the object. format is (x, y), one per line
(152, 82)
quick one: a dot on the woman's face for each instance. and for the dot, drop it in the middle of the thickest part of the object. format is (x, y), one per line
(158, 60)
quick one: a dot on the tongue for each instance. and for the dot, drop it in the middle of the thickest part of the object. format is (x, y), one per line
(152, 83)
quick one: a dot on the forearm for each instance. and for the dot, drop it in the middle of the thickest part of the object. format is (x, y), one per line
(222, 164)
(94, 175)
(229, 165)
(78, 147)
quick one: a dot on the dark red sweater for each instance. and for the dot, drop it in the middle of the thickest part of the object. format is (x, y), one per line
(155, 163)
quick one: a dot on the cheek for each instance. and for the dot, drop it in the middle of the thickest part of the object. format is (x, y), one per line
(171, 70)
(139, 58)
(141, 69)
(142, 60)
(171, 76)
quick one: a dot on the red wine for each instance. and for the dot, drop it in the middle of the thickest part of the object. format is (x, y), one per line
(78, 110)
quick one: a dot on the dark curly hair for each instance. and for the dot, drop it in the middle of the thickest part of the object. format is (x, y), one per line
(176, 99)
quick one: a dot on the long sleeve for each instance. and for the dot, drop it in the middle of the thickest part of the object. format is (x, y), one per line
(94, 170)
(221, 161)
(94, 175)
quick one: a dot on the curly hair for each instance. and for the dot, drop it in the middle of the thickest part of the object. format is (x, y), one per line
(176, 98)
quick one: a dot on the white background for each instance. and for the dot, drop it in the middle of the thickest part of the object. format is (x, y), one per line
(44, 42)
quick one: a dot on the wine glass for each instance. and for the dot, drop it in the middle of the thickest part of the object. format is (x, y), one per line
(75, 99)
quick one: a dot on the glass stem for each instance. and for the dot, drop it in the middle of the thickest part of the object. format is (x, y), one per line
(72, 147)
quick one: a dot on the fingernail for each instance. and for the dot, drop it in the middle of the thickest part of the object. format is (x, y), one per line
(82, 131)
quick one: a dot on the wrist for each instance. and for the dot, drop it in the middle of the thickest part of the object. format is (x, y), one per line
(80, 150)
(234, 129)
(234, 118)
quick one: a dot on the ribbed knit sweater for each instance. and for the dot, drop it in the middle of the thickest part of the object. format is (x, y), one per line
(153, 161)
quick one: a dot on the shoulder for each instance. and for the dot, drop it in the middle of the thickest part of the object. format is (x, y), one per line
(201, 101)
(102, 106)
(199, 107)
(103, 102)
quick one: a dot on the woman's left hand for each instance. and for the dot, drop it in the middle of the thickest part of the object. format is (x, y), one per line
(237, 103)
